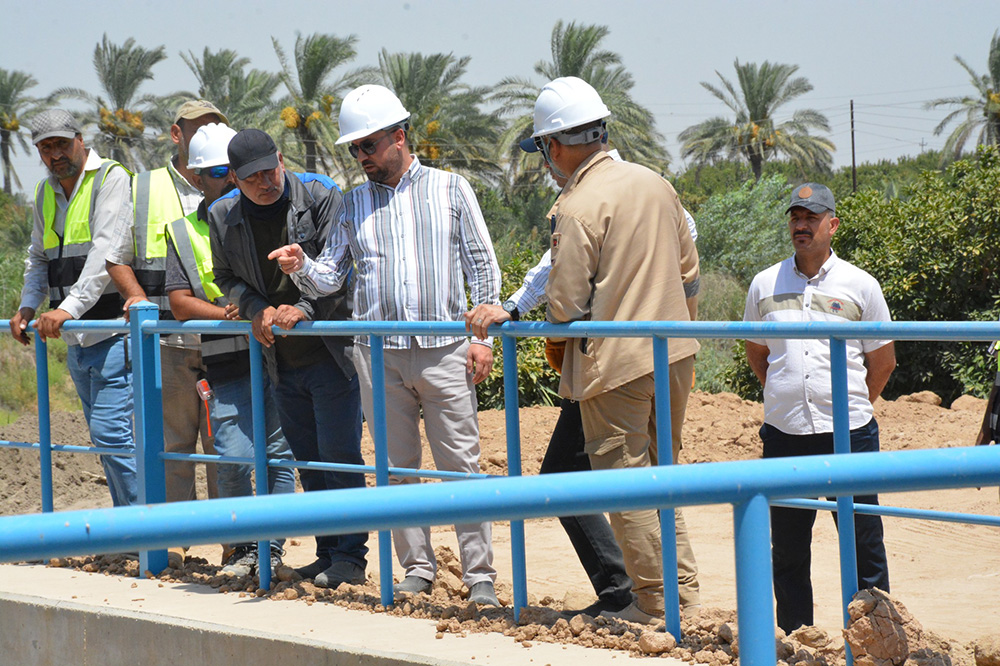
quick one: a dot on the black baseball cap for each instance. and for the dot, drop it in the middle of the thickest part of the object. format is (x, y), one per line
(250, 151)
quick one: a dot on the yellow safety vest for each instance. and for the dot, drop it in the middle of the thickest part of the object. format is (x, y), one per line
(156, 204)
(68, 254)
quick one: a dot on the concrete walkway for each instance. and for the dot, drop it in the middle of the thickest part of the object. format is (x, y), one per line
(54, 615)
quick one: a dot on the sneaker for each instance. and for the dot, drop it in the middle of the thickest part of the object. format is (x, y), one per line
(276, 562)
(243, 561)
(340, 572)
(632, 613)
(314, 569)
(483, 593)
(412, 585)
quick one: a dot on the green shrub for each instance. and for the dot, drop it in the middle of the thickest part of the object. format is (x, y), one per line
(538, 384)
(743, 231)
(721, 299)
(933, 254)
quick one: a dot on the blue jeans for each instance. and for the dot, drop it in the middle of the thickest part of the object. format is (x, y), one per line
(591, 536)
(791, 529)
(231, 411)
(104, 384)
(320, 412)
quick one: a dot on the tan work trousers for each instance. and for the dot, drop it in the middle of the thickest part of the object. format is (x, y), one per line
(619, 427)
(184, 419)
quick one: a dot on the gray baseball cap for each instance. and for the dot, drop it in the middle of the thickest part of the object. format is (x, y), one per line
(53, 122)
(817, 198)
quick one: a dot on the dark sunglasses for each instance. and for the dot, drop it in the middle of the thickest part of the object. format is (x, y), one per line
(368, 147)
(213, 172)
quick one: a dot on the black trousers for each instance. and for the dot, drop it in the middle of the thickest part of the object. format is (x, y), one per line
(591, 536)
(791, 529)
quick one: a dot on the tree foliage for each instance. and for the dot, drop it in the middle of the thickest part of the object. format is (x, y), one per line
(981, 111)
(15, 105)
(120, 112)
(755, 134)
(246, 98)
(932, 255)
(743, 231)
(447, 128)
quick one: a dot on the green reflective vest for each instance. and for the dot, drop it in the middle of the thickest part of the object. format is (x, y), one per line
(190, 238)
(67, 254)
(156, 204)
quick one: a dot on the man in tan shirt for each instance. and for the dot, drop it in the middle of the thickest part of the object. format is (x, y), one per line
(621, 251)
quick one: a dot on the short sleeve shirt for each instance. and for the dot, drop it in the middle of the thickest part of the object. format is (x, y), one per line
(798, 397)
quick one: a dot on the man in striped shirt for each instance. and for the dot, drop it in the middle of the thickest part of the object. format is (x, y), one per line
(412, 233)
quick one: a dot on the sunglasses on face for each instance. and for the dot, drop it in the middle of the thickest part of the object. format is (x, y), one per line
(213, 172)
(367, 147)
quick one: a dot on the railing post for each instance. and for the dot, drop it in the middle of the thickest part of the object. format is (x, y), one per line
(146, 386)
(845, 504)
(665, 456)
(754, 601)
(380, 439)
(511, 398)
(44, 422)
(259, 453)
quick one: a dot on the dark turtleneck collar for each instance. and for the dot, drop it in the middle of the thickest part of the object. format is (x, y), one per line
(272, 212)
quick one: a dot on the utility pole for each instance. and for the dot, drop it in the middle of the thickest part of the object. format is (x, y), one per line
(854, 165)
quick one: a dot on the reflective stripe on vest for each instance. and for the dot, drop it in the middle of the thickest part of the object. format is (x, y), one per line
(156, 204)
(190, 237)
(67, 255)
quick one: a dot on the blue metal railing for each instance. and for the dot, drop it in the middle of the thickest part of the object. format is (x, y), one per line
(748, 485)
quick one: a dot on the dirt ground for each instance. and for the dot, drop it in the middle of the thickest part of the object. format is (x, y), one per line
(946, 575)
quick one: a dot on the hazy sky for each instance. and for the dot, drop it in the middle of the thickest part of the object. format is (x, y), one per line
(890, 57)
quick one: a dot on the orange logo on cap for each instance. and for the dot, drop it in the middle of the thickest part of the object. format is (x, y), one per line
(805, 192)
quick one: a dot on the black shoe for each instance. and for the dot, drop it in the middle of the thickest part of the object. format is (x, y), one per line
(340, 572)
(314, 569)
(483, 593)
(413, 585)
(598, 607)
(242, 562)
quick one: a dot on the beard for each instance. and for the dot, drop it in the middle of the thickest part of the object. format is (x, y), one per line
(388, 171)
(65, 169)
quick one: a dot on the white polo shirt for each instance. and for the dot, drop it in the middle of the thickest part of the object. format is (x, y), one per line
(798, 397)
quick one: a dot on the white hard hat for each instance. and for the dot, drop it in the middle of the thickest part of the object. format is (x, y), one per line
(368, 109)
(209, 146)
(565, 103)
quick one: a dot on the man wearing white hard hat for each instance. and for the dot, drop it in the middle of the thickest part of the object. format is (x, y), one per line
(414, 236)
(190, 286)
(621, 251)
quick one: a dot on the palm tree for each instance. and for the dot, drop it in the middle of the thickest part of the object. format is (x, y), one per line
(754, 134)
(123, 115)
(13, 104)
(313, 95)
(982, 111)
(576, 52)
(447, 128)
(245, 97)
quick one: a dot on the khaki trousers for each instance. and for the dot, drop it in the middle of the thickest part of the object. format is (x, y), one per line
(184, 419)
(434, 381)
(619, 427)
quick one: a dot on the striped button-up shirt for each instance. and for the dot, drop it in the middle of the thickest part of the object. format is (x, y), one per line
(410, 245)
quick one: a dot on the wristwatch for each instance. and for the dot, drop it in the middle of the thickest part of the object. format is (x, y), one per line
(510, 307)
